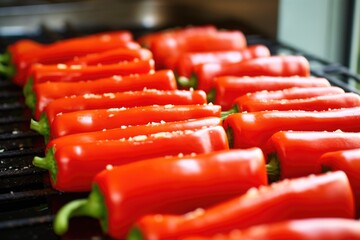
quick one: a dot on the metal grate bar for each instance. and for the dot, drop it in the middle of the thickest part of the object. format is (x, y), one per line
(21, 152)
(14, 119)
(11, 106)
(26, 170)
(28, 194)
(10, 94)
(336, 81)
(30, 221)
(18, 135)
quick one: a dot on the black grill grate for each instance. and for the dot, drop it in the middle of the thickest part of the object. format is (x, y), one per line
(27, 202)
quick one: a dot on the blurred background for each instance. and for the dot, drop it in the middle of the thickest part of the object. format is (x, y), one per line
(327, 28)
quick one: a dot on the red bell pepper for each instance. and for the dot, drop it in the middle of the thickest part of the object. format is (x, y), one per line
(99, 119)
(296, 153)
(302, 229)
(319, 103)
(72, 167)
(44, 93)
(66, 50)
(347, 161)
(123, 99)
(288, 93)
(167, 185)
(277, 66)
(301, 198)
(76, 73)
(112, 56)
(254, 129)
(227, 89)
(184, 64)
(125, 131)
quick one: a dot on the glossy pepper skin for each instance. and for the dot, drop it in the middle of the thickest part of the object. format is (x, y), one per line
(254, 129)
(319, 103)
(228, 88)
(303, 229)
(76, 73)
(301, 198)
(132, 131)
(173, 46)
(13, 53)
(349, 162)
(112, 56)
(22, 46)
(175, 185)
(148, 40)
(66, 50)
(123, 99)
(44, 93)
(288, 93)
(184, 64)
(72, 167)
(277, 66)
(100, 119)
(296, 153)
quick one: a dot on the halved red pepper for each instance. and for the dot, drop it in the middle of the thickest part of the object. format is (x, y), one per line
(296, 153)
(227, 89)
(126, 131)
(76, 73)
(319, 103)
(277, 66)
(288, 93)
(167, 185)
(112, 56)
(123, 99)
(66, 50)
(300, 198)
(72, 167)
(44, 93)
(184, 64)
(300, 229)
(254, 129)
(347, 161)
(99, 119)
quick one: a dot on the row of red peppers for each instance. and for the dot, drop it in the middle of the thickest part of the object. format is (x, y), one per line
(182, 183)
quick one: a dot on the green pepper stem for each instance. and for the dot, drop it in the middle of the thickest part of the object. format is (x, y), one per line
(61, 223)
(30, 100)
(42, 126)
(273, 168)
(5, 58)
(211, 95)
(232, 110)
(135, 234)
(48, 162)
(93, 206)
(28, 87)
(7, 71)
(188, 82)
(230, 136)
(325, 169)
